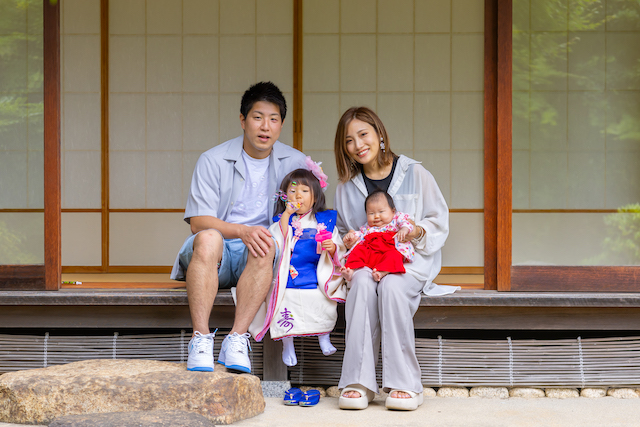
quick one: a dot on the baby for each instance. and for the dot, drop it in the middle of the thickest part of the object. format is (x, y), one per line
(379, 244)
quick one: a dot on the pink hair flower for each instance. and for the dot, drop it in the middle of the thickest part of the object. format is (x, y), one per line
(317, 171)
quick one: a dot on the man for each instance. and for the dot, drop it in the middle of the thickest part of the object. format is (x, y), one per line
(229, 207)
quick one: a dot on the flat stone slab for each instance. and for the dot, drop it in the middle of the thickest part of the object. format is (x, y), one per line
(138, 419)
(38, 396)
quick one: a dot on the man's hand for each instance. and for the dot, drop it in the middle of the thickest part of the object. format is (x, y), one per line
(257, 238)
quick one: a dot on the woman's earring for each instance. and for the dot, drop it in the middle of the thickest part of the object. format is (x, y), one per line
(382, 145)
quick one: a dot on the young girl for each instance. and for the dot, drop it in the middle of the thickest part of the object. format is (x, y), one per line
(307, 283)
(379, 245)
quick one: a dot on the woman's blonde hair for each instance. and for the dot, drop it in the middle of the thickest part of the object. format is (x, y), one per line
(346, 165)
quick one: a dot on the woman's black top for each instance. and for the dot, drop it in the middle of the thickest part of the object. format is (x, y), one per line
(379, 184)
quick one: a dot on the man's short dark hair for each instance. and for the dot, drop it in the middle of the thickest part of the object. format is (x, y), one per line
(263, 91)
(379, 194)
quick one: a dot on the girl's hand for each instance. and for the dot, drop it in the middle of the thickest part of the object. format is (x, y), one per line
(329, 246)
(292, 207)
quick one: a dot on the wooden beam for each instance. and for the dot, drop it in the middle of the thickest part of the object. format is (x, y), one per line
(490, 144)
(528, 318)
(579, 278)
(52, 204)
(462, 270)
(462, 318)
(151, 269)
(22, 277)
(166, 269)
(107, 317)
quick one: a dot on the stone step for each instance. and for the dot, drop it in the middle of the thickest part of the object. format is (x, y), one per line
(38, 396)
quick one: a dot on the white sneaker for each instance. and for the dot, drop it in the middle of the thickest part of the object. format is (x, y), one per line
(234, 353)
(201, 352)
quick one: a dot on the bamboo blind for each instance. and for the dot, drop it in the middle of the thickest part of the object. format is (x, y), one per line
(590, 362)
(18, 352)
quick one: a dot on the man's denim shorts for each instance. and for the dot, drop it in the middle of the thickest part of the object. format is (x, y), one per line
(234, 260)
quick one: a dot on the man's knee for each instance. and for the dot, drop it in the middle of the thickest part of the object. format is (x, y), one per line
(208, 243)
(262, 261)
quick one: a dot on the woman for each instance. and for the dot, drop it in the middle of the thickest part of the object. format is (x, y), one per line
(382, 312)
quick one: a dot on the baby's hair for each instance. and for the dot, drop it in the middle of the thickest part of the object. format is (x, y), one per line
(304, 177)
(377, 194)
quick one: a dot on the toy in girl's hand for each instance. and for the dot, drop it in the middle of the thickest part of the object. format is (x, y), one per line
(294, 205)
(321, 235)
(281, 195)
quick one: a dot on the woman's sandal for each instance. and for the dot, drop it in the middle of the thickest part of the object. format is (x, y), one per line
(406, 404)
(310, 398)
(361, 402)
(292, 396)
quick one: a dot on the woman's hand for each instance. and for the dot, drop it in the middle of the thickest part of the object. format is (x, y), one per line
(413, 234)
(402, 234)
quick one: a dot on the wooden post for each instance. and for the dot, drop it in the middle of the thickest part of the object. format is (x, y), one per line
(490, 144)
(52, 216)
(104, 125)
(297, 74)
(504, 149)
(273, 368)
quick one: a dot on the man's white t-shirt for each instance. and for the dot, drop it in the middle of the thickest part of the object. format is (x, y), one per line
(251, 207)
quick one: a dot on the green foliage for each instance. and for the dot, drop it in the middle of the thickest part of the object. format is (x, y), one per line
(21, 76)
(628, 128)
(622, 244)
(540, 61)
(623, 241)
(12, 247)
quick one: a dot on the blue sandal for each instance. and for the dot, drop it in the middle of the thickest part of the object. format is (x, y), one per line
(293, 396)
(310, 398)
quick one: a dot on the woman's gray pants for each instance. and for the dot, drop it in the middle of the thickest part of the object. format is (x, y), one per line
(381, 313)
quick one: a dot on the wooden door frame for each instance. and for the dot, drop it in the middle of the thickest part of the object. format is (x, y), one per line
(497, 145)
(500, 274)
(49, 275)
